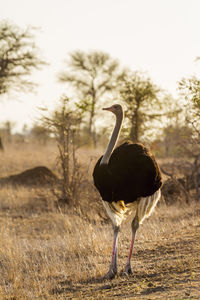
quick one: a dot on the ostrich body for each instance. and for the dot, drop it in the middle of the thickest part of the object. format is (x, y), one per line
(126, 178)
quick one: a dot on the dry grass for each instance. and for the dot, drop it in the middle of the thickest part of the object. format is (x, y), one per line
(46, 253)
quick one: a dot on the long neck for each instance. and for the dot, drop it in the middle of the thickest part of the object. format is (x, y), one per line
(113, 140)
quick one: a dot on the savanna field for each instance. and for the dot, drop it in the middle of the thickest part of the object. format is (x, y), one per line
(48, 251)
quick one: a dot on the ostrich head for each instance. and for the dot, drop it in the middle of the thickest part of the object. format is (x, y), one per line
(116, 109)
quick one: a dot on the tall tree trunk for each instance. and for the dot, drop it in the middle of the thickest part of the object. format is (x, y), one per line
(135, 126)
(92, 132)
(1, 145)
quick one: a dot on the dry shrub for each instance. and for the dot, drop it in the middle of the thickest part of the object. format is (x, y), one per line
(173, 191)
(184, 174)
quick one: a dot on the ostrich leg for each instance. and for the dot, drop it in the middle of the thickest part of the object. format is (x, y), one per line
(113, 265)
(135, 226)
(145, 206)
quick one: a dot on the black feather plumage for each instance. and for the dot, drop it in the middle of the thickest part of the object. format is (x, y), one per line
(131, 173)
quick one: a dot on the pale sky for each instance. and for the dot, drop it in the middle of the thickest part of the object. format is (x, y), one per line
(160, 37)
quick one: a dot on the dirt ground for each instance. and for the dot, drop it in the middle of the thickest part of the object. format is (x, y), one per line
(172, 271)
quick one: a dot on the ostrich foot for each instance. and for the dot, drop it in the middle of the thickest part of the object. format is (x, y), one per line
(110, 275)
(127, 270)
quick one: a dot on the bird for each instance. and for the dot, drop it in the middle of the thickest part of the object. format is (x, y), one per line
(128, 178)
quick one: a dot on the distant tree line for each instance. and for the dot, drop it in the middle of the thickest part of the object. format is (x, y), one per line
(97, 79)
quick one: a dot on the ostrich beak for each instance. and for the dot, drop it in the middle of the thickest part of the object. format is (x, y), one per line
(107, 108)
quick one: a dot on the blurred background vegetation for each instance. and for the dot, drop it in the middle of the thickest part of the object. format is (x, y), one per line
(152, 116)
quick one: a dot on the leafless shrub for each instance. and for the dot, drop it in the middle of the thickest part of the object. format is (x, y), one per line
(183, 176)
(64, 125)
(173, 191)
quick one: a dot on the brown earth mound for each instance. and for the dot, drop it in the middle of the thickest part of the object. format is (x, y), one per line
(40, 175)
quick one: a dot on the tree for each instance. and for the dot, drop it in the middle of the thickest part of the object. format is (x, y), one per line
(40, 133)
(175, 137)
(6, 131)
(18, 57)
(190, 89)
(1, 145)
(141, 98)
(92, 75)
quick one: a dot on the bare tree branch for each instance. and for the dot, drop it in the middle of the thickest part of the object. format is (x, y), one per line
(18, 57)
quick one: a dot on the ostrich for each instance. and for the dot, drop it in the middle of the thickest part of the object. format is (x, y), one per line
(126, 178)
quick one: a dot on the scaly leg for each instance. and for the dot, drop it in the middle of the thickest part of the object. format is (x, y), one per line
(113, 265)
(135, 226)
